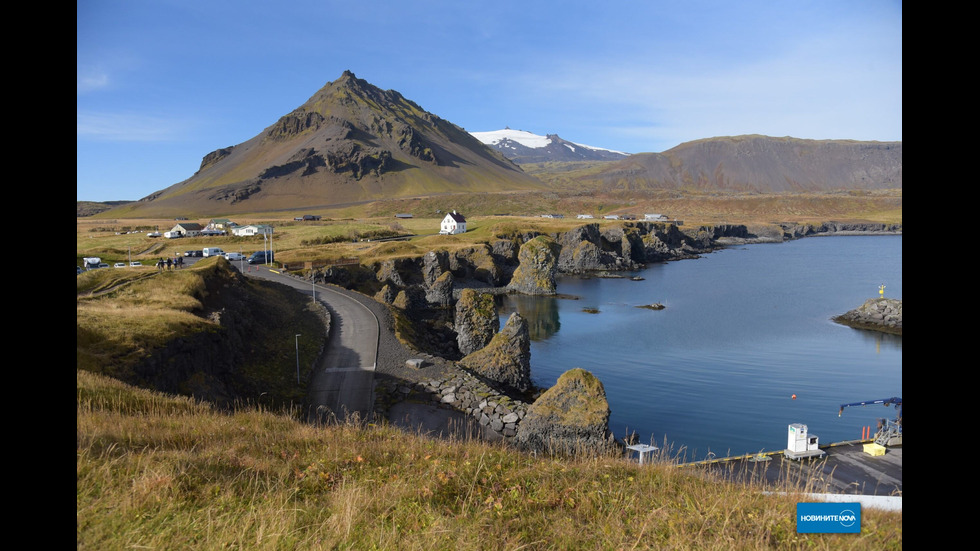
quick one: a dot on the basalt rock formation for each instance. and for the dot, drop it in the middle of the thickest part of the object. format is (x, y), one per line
(476, 320)
(537, 263)
(507, 359)
(571, 417)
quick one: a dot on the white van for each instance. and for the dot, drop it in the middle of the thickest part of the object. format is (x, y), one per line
(212, 251)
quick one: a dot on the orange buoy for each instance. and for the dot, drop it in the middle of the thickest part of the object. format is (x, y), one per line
(794, 396)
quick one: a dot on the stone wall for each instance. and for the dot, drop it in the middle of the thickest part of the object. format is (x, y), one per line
(462, 392)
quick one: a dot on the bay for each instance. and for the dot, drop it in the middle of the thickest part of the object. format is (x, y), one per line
(744, 329)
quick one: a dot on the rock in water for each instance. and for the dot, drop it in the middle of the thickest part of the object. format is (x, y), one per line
(476, 320)
(876, 314)
(537, 262)
(570, 418)
(507, 359)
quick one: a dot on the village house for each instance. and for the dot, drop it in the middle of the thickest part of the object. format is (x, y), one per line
(252, 229)
(655, 217)
(186, 229)
(453, 223)
(220, 224)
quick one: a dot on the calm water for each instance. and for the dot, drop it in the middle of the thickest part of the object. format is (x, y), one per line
(744, 329)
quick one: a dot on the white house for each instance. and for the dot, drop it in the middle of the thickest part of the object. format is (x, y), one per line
(453, 223)
(253, 229)
(611, 217)
(584, 216)
(655, 217)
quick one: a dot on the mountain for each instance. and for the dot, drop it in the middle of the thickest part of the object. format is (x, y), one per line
(350, 142)
(756, 163)
(525, 147)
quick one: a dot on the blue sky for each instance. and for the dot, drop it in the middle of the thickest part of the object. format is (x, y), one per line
(162, 83)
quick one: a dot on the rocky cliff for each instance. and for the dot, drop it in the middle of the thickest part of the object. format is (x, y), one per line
(529, 262)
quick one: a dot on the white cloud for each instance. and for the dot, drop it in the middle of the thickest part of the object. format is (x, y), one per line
(118, 127)
(88, 80)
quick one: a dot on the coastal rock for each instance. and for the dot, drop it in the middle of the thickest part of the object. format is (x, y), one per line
(476, 263)
(386, 295)
(582, 251)
(388, 274)
(476, 321)
(434, 264)
(440, 292)
(507, 359)
(877, 314)
(796, 231)
(569, 418)
(537, 261)
(410, 299)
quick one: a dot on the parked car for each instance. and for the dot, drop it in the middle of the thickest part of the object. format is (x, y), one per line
(102, 265)
(193, 253)
(234, 256)
(136, 263)
(79, 268)
(154, 234)
(119, 265)
(261, 257)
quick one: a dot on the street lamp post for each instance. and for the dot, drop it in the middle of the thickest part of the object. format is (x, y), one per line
(297, 357)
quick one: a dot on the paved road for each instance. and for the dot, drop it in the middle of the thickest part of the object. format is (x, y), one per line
(343, 382)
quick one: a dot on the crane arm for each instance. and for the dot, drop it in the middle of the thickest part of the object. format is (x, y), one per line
(884, 401)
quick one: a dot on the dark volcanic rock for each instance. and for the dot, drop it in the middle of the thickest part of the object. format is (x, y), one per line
(535, 273)
(440, 293)
(476, 320)
(507, 359)
(571, 417)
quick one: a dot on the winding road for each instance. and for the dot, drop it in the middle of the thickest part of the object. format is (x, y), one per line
(342, 386)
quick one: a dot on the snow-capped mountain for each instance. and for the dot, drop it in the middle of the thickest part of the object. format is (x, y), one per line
(524, 147)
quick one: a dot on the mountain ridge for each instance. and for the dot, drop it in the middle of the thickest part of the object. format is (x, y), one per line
(524, 147)
(756, 163)
(353, 143)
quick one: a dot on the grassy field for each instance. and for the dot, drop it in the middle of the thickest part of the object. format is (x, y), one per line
(164, 472)
(487, 215)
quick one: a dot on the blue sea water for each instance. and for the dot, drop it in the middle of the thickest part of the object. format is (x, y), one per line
(744, 329)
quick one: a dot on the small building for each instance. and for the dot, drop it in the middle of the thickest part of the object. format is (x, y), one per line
(453, 223)
(220, 224)
(252, 229)
(403, 215)
(655, 217)
(611, 217)
(584, 216)
(186, 229)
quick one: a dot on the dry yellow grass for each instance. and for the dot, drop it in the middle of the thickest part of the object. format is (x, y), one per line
(155, 471)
